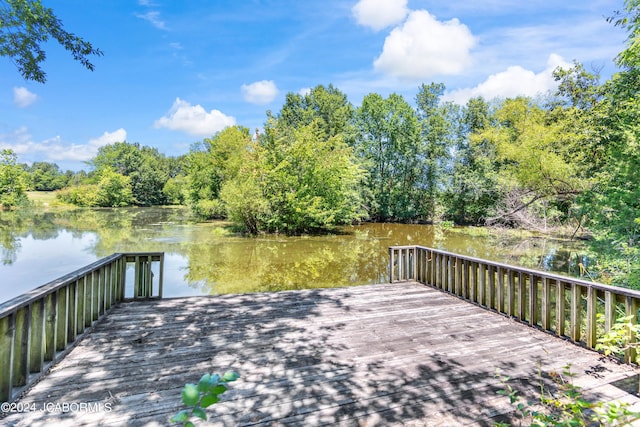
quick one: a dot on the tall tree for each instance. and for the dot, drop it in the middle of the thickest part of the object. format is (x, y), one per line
(295, 180)
(13, 180)
(389, 144)
(614, 202)
(147, 169)
(438, 136)
(472, 192)
(25, 25)
(328, 106)
(534, 157)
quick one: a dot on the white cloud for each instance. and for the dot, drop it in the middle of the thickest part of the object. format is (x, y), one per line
(260, 93)
(304, 91)
(423, 47)
(22, 97)
(153, 17)
(514, 81)
(54, 149)
(107, 138)
(379, 14)
(194, 119)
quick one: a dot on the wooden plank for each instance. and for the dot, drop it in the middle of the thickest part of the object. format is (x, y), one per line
(576, 312)
(546, 304)
(560, 308)
(500, 290)
(7, 341)
(21, 346)
(510, 298)
(482, 284)
(459, 277)
(64, 319)
(36, 337)
(609, 310)
(533, 300)
(473, 281)
(491, 286)
(592, 326)
(371, 355)
(631, 311)
(51, 323)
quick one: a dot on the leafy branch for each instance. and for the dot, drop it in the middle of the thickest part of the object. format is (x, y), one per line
(199, 397)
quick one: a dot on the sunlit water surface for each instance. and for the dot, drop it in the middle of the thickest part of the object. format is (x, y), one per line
(209, 258)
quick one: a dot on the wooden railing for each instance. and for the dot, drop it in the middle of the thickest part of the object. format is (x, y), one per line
(575, 309)
(38, 328)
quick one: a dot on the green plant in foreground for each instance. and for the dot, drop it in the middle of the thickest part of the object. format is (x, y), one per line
(201, 396)
(622, 336)
(567, 406)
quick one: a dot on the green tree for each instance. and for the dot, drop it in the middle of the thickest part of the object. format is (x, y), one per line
(45, 176)
(534, 156)
(389, 145)
(473, 192)
(114, 189)
(210, 164)
(295, 180)
(438, 137)
(13, 180)
(25, 25)
(614, 201)
(327, 106)
(147, 169)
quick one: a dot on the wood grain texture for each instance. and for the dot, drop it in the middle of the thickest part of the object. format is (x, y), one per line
(378, 355)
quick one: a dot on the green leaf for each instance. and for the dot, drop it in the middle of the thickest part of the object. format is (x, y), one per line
(190, 395)
(219, 389)
(203, 384)
(180, 417)
(198, 412)
(230, 376)
(208, 400)
(215, 379)
(189, 424)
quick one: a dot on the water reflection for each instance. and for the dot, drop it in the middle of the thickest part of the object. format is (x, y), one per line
(208, 258)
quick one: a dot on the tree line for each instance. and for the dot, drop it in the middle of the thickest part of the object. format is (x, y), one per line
(568, 158)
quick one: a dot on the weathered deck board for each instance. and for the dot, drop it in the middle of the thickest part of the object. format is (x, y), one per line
(370, 355)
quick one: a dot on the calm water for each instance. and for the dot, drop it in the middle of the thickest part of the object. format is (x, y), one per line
(208, 258)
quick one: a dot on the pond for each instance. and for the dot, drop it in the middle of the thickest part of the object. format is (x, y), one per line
(209, 258)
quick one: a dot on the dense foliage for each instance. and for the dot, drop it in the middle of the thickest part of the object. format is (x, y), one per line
(26, 25)
(571, 158)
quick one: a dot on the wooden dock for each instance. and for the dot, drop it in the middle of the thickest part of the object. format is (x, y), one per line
(377, 355)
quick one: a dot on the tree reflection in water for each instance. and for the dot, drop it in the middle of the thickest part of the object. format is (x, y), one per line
(209, 258)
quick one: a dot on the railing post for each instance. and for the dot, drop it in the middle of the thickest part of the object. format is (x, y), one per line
(533, 300)
(631, 309)
(392, 252)
(21, 347)
(560, 308)
(7, 354)
(576, 311)
(592, 299)
(36, 341)
(546, 304)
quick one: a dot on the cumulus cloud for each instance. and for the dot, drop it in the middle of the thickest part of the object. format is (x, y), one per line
(514, 81)
(107, 138)
(22, 97)
(260, 93)
(379, 14)
(423, 47)
(194, 119)
(54, 149)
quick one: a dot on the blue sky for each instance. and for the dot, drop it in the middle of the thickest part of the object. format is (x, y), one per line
(176, 72)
